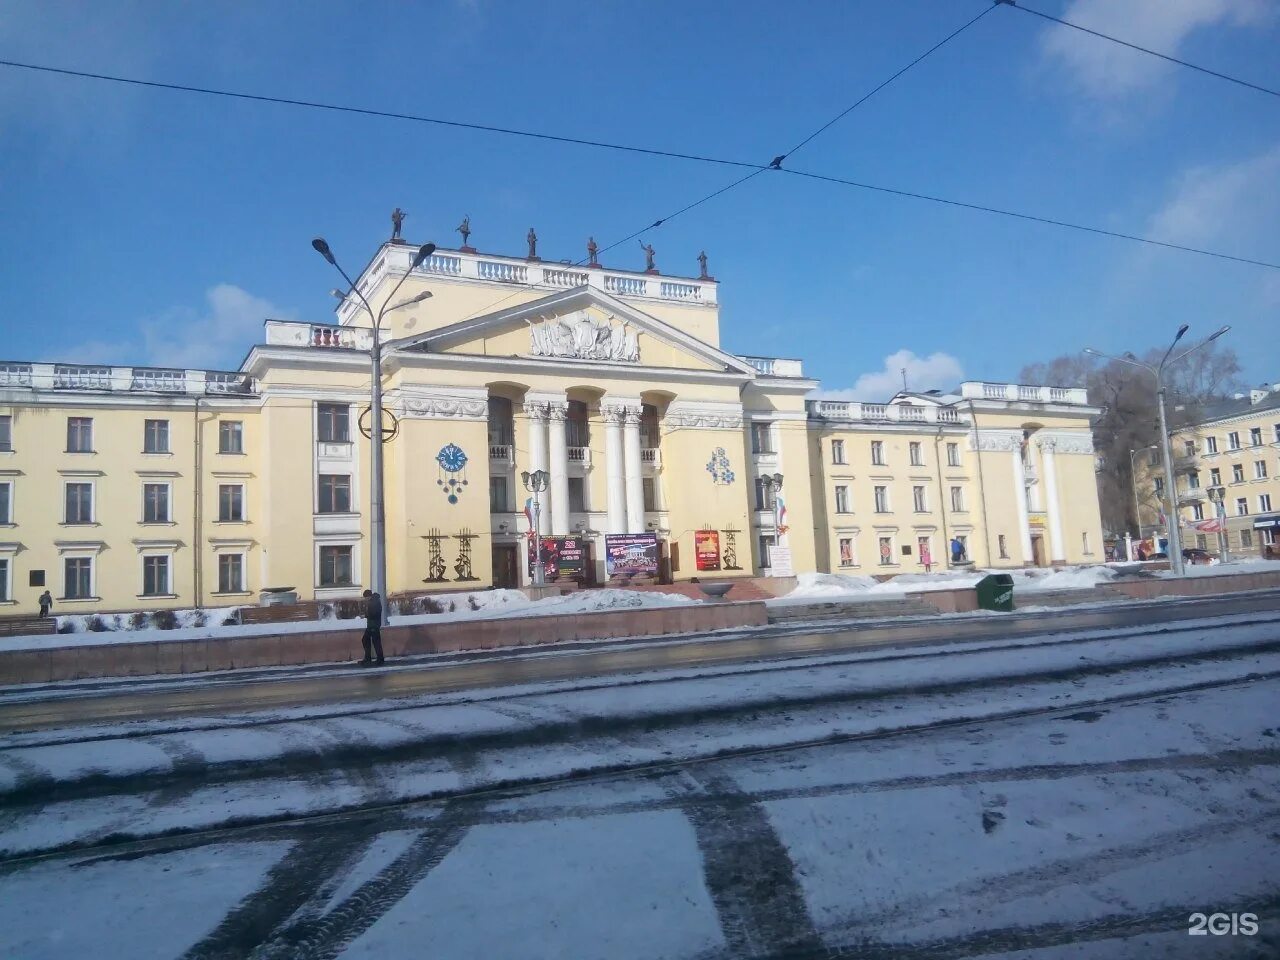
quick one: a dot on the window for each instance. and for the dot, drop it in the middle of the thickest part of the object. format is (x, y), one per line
(155, 436)
(1159, 484)
(953, 454)
(1215, 477)
(1189, 448)
(886, 551)
(761, 438)
(1153, 458)
(155, 503)
(847, 558)
(230, 436)
(334, 422)
(917, 500)
(1259, 469)
(963, 540)
(1255, 437)
(6, 502)
(917, 456)
(155, 576)
(79, 435)
(1233, 440)
(1193, 480)
(1264, 503)
(1210, 444)
(1197, 511)
(1246, 538)
(837, 451)
(6, 433)
(230, 502)
(882, 499)
(877, 452)
(842, 500)
(646, 486)
(957, 498)
(499, 498)
(4, 580)
(578, 494)
(1242, 506)
(1237, 473)
(77, 578)
(1202, 541)
(79, 503)
(231, 573)
(335, 566)
(1004, 547)
(765, 498)
(767, 540)
(1084, 542)
(335, 494)
(1277, 430)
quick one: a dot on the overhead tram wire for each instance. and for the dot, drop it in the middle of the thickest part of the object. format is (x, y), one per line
(1017, 5)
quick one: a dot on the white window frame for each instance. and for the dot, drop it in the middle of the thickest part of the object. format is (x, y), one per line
(1259, 469)
(853, 550)
(1197, 511)
(168, 501)
(1002, 544)
(1215, 477)
(239, 433)
(168, 437)
(1237, 473)
(765, 542)
(1255, 436)
(877, 454)
(10, 486)
(837, 453)
(1233, 440)
(244, 503)
(842, 494)
(915, 453)
(880, 498)
(167, 557)
(920, 498)
(6, 578)
(1264, 503)
(93, 503)
(763, 429)
(953, 454)
(91, 435)
(893, 550)
(957, 499)
(1242, 506)
(351, 495)
(6, 432)
(1210, 444)
(93, 575)
(1084, 542)
(357, 574)
(927, 540)
(244, 572)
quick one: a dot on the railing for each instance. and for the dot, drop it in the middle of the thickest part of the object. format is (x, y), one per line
(227, 383)
(15, 374)
(948, 415)
(68, 377)
(910, 413)
(875, 411)
(626, 286)
(651, 456)
(564, 278)
(982, 390)
(579, 454)
(679, 291)
(442, 264)
(326, 336)
(763, 364)
(167, 381)
(1058, 394)
(502, 272)
(993, 391)
(1028, 393)
(881, 412)
(500, 451)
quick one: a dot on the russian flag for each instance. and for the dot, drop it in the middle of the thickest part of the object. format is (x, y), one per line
(528, 515)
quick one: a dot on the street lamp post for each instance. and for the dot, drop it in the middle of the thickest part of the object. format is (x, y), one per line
(1218, 496)
(772, 484)
(535, 483)
(377, 519)
(1171, 490)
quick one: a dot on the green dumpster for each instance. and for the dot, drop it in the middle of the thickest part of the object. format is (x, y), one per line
(995, 592)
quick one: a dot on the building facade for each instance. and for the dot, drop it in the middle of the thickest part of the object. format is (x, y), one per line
(135, 488)
(1227, 472)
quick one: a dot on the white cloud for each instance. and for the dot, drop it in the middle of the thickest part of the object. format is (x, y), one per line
(1236, 203)
(1109, 71)
(938, 371)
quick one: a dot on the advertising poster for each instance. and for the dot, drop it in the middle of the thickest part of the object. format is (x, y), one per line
(780, 562)
(706, 548)
(562, 557)
(631, 555)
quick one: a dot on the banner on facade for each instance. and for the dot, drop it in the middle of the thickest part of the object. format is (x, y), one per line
(706, 549)
(780, 562)
(1207, 526)
(631, 555)
(562, 557)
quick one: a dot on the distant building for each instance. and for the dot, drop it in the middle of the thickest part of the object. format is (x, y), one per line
(131, 488)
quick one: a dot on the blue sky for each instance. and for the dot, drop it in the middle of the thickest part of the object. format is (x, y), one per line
(157, 227)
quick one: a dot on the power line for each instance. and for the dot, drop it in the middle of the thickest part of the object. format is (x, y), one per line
(1028, 216)
(1133, 46)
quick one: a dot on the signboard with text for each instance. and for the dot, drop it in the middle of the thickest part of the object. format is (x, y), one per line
(631, 555)
(562, 557)
(780, 562)
(706, 549)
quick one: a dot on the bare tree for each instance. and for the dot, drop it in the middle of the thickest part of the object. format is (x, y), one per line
(1129, 424)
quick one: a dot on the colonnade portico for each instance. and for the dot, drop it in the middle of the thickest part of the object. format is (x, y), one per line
(546, 418)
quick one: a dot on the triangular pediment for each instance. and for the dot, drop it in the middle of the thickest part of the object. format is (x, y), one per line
(582, 325)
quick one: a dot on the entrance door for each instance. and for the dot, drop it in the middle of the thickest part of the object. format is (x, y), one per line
(1037, 551)
(506, 569)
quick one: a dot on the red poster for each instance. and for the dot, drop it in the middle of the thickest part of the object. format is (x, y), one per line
(706, 548)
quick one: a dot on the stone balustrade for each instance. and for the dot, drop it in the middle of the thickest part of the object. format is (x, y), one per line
(1022, 393)
(97, 378)
(776, 366)
(882, 412)
(288, 333)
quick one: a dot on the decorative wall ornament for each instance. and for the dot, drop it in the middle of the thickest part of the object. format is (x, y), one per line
(1068, 442)
(999, 441)
(436, 566)
(581, 336)
(453, 471)
(731, 550)
(704, 421)
(718, 467)
(442, 406)
(463, 567)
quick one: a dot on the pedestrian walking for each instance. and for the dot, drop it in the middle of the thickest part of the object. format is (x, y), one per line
(373, 628)
(46, 604)
(957, 550)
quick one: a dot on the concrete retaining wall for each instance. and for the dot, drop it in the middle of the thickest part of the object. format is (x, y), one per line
(1196, 586)
(325, 646)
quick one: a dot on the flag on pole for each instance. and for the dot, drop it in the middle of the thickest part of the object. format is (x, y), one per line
(780, 514)
(528, 513)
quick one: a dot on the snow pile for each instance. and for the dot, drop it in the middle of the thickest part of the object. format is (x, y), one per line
(147, 620)
(1234, 565)
(1068, 578)
(834, 586)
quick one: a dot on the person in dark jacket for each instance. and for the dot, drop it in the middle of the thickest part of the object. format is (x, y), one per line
(46, 604)
(373, 628)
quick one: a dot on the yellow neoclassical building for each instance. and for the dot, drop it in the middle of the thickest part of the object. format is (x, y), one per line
(135, 488)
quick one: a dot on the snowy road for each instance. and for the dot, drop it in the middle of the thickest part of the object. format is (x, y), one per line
(1078, 833)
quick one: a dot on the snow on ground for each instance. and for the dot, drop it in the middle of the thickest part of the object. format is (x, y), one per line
(481, 604)
(826, 586)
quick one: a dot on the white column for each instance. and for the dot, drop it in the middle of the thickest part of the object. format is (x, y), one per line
(631, 458)
(1057, 546)
(614, 478)
(557, 413)
(537, 414)
(1020, 501)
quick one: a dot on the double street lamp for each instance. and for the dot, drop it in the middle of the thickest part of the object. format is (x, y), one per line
(378, 520)
(535, 483)
(1157, 371)
(1218, 497)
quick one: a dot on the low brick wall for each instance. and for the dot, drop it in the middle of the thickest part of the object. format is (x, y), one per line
(959, 600)
(326, 646)
(1196, 586)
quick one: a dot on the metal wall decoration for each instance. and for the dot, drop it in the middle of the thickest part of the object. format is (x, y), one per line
(436, 567)
(731, 550)
(453, 471)
(718, 467)
(463, 567)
